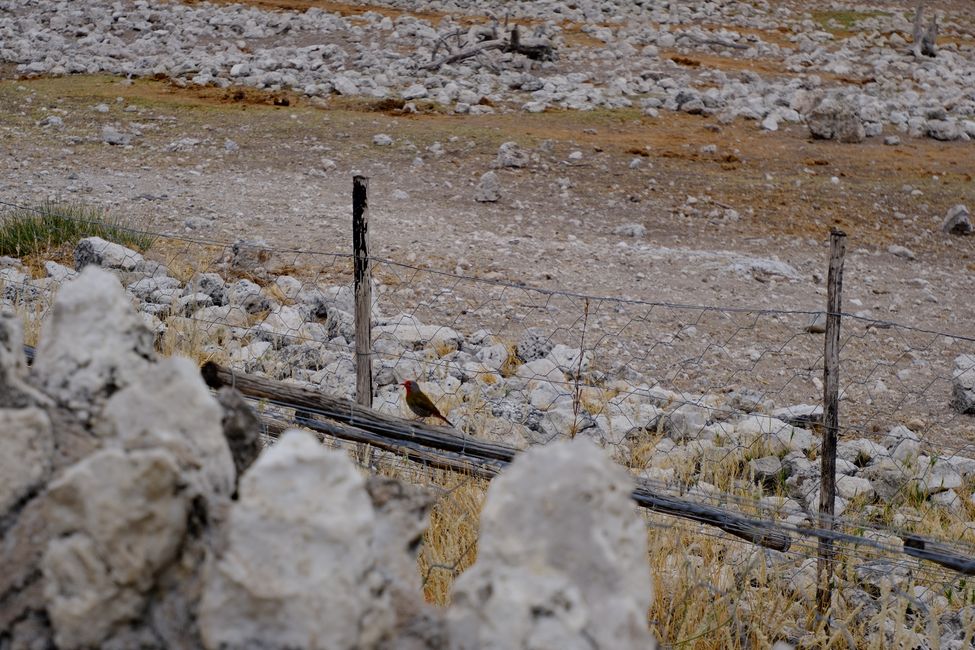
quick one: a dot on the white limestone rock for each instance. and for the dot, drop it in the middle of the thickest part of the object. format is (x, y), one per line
(561, 560)
(511, 155)
(171, 407)
(109, 255)
(298, 570)
(121, 517)
(957, 221)
(963, 384)
(409, 333)
(488, 188)
(26, 447)
(837, 119)
(571, 361)
(93, 343)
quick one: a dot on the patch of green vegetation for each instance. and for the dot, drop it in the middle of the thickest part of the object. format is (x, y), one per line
(32, 230)
(843, 19)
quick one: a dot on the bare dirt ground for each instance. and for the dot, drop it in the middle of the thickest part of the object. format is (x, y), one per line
(290, 183)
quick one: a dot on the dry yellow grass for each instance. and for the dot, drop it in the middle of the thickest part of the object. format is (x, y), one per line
(450, 543)
(712, 590)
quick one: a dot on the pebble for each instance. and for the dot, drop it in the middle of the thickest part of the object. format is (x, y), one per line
(901, 251)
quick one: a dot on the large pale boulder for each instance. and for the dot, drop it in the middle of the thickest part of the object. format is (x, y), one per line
(171, 407)
(121, 517)
(93, 343)
(299, 569)
(26, 448)
(562, 559)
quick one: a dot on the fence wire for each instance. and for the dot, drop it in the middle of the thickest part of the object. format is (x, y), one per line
(711, 404)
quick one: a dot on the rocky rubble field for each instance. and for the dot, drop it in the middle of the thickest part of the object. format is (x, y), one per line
(846, 88)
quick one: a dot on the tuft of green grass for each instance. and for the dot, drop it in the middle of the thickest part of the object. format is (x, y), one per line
(37, 229)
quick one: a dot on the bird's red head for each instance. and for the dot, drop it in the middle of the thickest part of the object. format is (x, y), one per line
(410, 385)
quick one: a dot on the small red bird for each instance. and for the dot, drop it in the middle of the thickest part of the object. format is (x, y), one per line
(420, 404)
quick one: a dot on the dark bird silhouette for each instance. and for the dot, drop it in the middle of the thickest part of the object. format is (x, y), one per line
(420, 404)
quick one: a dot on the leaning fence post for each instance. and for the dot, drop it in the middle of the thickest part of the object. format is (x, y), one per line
(362, 275)
(831, 417)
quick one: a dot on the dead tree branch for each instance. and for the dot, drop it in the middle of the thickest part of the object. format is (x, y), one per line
(442, 41)
(720, 42)
(924, 39)
(476, 44)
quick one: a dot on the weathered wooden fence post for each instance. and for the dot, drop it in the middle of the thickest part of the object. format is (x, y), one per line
(362, 274)
(831, 417)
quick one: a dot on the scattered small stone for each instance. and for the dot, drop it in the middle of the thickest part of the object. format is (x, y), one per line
(943, 130)
(901, 251)
(52, 121)
(817, 323)
(836, 119)
(416, 91)
(631, 230)
(892, 140)
(511, 155)
(770, 123)
(958, 221)
(111, 135)
(488, 188)
(963, 384)
(345, 86)
(382, 140)
(533, 345)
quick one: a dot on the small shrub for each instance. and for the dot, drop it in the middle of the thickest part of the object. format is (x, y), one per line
(51, 225)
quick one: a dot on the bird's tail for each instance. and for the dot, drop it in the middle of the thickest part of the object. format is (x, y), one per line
(449, 423)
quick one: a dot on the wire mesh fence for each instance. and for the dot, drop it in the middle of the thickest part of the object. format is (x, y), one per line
(708, 404)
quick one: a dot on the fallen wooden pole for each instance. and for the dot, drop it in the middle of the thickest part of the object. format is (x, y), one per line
(348, 412)
(437, 447)
(486, 469)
